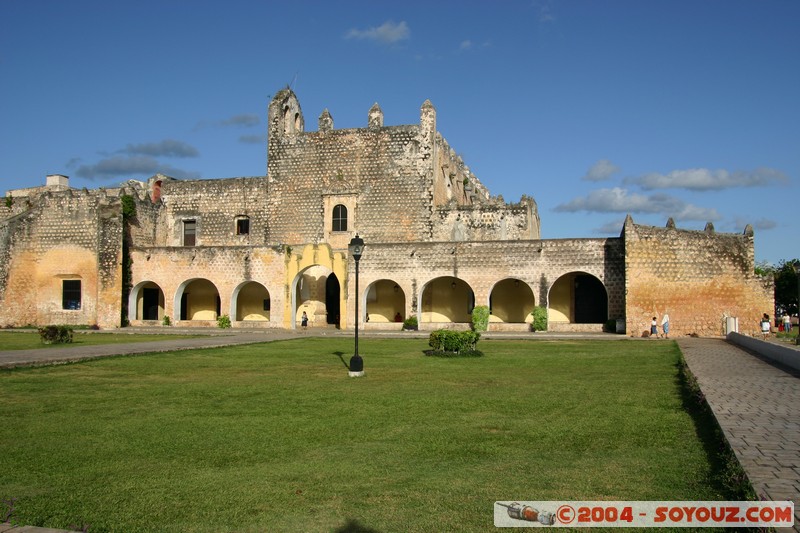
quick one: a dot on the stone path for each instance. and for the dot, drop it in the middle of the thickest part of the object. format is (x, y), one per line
(757, 406)
(205, 339)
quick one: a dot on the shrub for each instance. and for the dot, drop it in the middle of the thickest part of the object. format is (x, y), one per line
(411, 323)
(480, 318)
(449, 343)
(56, 334)
(224, 321)
(166, 321)
(610, 326)
(539, 319)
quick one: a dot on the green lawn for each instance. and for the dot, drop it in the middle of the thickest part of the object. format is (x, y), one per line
(25, 340)
(276, 437)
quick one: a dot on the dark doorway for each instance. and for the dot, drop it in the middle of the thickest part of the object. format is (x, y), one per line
(150, 304)
(332, 293)
(184, 305)
(591, 301)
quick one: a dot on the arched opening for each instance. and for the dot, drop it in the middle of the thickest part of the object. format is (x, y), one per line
(511, 301)
(317, 292)
(386, 302)
(332, 299)
(197, 299)
(447, 299)
(146, 302)
(578, 298)
(251, 302)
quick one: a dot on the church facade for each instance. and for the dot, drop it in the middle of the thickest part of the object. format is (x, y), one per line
(263, 250)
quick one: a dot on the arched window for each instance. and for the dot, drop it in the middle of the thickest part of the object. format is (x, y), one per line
(339, 218)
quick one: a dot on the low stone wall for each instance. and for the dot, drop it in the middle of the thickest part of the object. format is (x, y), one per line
(786, 355)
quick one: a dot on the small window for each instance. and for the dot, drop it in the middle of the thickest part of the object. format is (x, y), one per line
(242, 226)
(189, 232)
(339, 218)
(71, 294)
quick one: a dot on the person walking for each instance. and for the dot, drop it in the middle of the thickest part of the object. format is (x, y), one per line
(304, 320)
(787, 323)
(665, 325)
(766, 328)
(654, 328)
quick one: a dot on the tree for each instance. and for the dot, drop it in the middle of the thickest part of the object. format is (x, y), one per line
(786, 287)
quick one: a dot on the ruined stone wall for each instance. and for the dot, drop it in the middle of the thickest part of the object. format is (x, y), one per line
(149, 226)
(227, 267)
(454, 183)
(484, 222)
(538, 263)
(385, 170)
(697, 277)
(215, 205)
(72, 235)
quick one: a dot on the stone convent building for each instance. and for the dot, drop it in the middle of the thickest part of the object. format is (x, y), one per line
(265, 249)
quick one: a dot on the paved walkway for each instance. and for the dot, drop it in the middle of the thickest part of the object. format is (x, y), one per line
(205, 339)
(756, 404)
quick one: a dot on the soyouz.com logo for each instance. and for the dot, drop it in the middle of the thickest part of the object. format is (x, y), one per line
(643, 514)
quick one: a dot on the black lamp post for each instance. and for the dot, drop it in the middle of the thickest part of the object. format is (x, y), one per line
(797, 271)
(356, 248)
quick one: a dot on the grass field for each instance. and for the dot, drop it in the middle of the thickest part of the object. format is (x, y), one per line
(276, 437)
(27, 340)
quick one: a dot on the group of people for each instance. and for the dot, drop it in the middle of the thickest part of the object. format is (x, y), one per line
(766, 325)
(664, 327)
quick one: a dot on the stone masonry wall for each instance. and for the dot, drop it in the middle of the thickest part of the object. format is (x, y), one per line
(215, 206)
(227, 267)
(538, 263)
(484, 222)
(65, 235)
(386, 170)
(697, 277)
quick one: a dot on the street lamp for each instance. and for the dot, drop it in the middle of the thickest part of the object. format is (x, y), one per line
(356, 248)
(797, 271)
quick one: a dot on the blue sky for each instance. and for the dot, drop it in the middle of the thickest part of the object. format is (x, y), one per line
(597, 109)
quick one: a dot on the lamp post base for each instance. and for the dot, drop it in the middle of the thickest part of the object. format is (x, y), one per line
(356, 367)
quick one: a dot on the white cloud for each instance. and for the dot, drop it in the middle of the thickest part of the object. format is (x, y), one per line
(612, 227)
(465, 45)
(243, 121)
(246, 121)
(703, 179)
(759, 224)
(601, 171)
(545, 10)
(252, 139)
(166, 148)
(388, 33)
(618, 200)
(120, 167)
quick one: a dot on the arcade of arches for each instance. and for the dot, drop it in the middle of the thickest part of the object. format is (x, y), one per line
(574, 298)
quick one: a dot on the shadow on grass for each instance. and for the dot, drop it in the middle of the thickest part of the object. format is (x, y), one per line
(341, 358)
(727, 475)
(353, 526)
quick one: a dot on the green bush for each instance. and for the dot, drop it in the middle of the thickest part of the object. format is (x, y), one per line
(56, 334)
(447, 342)
(224, 321)
(610, 326)
(480, 318)
(539, 319)
(411, 323)
(166, 321)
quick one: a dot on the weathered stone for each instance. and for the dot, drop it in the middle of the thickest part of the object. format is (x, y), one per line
(264, 249)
